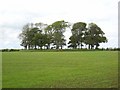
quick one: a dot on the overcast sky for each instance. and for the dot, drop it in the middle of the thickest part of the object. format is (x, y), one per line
(16, 13)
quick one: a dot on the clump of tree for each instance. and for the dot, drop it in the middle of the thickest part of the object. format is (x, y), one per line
(77, 38)
(32, 36)
(43, 36)
(94, 36)
(39, 35)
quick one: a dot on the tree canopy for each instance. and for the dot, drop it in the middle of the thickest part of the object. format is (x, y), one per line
(43, 36)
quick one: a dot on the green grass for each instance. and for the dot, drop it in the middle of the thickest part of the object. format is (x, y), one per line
(93, 69)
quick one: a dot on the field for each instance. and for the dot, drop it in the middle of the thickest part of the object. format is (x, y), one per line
(84, 69)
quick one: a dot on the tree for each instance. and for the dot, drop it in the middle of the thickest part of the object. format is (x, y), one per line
(77, 30)
(41, 26)
(73, 42)
(49, 34)
(31, 35)
(94, 36)
(40, 40)
(59, 28)
(41, 35)
(24, 36)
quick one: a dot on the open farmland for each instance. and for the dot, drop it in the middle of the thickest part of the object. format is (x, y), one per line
(85, 69)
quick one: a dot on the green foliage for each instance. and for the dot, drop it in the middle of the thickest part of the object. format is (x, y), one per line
(39, 35)
(94, 35)
(59, 28)
(33, 36)
(73, 42)
(78, 30)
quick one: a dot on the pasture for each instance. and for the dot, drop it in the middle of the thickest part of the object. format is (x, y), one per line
(84, 69)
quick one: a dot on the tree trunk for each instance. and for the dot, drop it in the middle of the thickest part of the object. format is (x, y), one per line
(96, 46)
(35, 47)
(81, 46)
(41, 48)
(57, 46)
(61, 46)
(48, 46)
(89, 46)
(25, 46)
(29, 47)
(92, 46)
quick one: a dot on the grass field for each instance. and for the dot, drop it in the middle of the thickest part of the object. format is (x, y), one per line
(88, 69)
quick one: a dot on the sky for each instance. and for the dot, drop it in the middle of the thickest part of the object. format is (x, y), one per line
(14, 14)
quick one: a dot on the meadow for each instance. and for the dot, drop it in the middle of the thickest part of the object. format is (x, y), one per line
(84, 69)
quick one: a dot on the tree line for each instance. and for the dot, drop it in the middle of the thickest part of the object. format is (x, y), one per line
(43, 36)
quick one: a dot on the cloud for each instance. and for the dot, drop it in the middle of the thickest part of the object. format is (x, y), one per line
(16, 13)
(9, 38)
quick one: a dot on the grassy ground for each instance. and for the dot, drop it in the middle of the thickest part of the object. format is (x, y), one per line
(93, 69)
